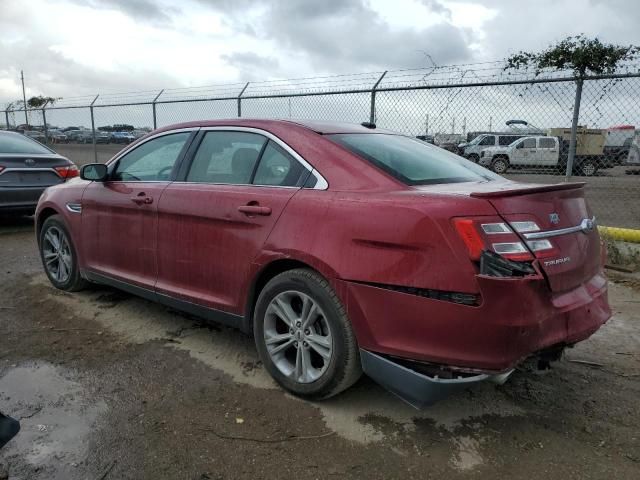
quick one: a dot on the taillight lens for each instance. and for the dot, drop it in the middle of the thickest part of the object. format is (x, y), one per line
(498, 237)
(471, 237)
(68, 171)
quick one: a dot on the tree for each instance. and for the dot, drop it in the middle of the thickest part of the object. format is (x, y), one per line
(40, 101)
(584, 56)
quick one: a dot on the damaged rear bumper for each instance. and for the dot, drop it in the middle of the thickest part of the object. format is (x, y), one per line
(415, 388)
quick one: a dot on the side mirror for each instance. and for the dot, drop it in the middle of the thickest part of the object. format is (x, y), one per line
(96, 172)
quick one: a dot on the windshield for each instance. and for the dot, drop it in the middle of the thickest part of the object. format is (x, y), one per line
(16, 143)
(411, 161)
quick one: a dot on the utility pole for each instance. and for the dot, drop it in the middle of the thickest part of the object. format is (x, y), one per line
(24, 98)
(426, 125)
(490, 123)
(464, 126)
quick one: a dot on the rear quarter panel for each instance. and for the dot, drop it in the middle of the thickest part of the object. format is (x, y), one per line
(400, 238)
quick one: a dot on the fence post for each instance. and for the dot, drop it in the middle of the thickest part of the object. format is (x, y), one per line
(44, 122)
(372, 115)
(6, 116)
(240, 100)
(574, 129)
(93, 131)
(155, 123)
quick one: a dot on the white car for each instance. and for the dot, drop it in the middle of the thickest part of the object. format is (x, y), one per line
(538, 151)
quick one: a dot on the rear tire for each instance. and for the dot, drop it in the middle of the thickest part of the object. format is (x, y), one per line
(500, 165)
(304, 337)
(59, 257)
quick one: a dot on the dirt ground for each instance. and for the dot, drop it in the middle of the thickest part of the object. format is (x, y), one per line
(109, 386)
(613, 195)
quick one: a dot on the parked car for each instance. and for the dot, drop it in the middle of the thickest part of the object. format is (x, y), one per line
(341, 248)
(618, 143)
(103, 137)
(56, 136)
(536, 152)
(473, 149)
(35, 135)
(426, 138)
(122, 137)
(26, 169)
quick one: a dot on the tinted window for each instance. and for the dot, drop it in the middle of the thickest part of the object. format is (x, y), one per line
(226, 157)
(504, 140)
(546, 143)
(16, 143)
(411, 161)
(151, 161)
(529, 143)
(278, 168)
(490, 140)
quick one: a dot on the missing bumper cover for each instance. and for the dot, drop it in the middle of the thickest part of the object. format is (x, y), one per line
(494, 265)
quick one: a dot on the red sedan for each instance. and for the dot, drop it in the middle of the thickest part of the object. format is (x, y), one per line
(342, 249)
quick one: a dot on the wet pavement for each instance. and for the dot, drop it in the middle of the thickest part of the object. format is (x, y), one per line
(110, 386)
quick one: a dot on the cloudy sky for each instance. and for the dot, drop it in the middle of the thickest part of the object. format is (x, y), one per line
(76, 47)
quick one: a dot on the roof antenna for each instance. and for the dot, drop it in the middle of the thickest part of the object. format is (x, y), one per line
(368, 125)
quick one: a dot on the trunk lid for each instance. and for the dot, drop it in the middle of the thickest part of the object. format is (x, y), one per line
(30, 170)
(564, 219)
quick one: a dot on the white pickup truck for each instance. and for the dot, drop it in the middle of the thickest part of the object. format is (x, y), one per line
(535, 152)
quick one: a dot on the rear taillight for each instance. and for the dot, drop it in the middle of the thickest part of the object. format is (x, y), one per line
(498, 237)
(68, 171)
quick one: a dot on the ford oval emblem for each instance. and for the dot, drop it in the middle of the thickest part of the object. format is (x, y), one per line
(29, 162)
(554, 218)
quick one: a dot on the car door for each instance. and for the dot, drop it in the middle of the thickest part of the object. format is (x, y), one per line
(548, 151)
(213, 223)
(525, 152)
(119, 216)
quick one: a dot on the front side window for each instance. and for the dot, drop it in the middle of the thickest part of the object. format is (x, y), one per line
(226, 157)
(16, 143)
(488, 140)
(529, 143)
(411, 161)
(152, 161)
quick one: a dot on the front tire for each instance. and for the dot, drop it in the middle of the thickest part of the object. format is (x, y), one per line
(500, 165)
(59, 257)
(304, 337)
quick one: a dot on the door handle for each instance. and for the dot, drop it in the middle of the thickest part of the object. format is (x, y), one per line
(254, 209)
(142, 199)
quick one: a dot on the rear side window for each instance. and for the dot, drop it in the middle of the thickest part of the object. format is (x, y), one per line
(16, 143)
(226, 157)
(546, 143)
(505, 140)
(279, 168)
(411, 161)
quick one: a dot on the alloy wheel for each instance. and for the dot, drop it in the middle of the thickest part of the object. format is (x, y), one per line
(297, 336)
(57, 254)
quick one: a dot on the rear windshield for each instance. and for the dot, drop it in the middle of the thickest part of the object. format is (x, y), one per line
(16, 143)
(411, 161)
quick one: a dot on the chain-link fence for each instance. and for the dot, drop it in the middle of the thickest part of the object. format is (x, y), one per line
(522, 124)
